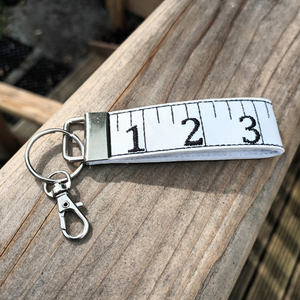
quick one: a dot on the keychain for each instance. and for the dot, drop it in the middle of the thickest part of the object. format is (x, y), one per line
(211, 129)
(60, 186)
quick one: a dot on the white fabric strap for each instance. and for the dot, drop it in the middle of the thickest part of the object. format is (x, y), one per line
(214, 129)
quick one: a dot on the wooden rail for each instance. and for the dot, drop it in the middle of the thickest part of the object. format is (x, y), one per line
(117, 9)
(26, 105)
(142, 8)
(39, 109)
(160, 231)
(7, 139)
(272, 267)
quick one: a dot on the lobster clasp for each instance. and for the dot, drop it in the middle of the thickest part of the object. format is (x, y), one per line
(64, 204)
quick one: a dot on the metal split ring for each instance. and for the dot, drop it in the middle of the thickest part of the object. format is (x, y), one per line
(39, 135)
(67, 183)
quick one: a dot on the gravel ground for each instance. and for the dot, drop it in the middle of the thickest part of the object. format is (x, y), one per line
(60, 28)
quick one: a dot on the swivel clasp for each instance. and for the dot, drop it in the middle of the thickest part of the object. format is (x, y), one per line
(64, 204)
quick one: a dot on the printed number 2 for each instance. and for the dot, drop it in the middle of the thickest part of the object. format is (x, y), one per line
(135, 138)
(188, 141)
(251, 128)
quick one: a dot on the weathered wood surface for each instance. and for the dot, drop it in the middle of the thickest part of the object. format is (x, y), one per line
(102, 48)
(7, 138)
(26, 105)
(273, 276)
(116, 9)
(272, 272)
(160, 231)
(142, 8)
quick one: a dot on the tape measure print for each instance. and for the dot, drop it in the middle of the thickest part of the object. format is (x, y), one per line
(200, 124)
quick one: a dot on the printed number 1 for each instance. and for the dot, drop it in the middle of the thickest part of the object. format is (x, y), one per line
(135, 138)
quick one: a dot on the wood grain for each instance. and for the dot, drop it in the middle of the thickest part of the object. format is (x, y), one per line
(142, 8)
(284, 200)
(116, 9)
(280, 259)
(26, 104)
(102, 48)
(8, 140)
(160, 231)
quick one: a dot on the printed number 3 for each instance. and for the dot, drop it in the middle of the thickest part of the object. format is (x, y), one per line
(251, 128)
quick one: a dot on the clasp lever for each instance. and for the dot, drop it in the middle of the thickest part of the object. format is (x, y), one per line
(64, 204)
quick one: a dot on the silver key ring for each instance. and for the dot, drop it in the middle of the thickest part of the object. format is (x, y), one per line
(66, 186)
(36, 137)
